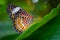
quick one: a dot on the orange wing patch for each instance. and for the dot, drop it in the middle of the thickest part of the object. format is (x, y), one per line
(20, 25)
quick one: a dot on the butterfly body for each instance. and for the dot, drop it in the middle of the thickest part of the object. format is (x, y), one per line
(21, 19)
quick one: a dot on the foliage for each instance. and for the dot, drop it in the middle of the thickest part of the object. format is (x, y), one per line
(45, 27)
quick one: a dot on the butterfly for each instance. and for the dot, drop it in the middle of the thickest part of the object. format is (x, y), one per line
(21, 18)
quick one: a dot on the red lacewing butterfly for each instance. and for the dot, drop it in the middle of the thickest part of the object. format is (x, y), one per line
(21, 19)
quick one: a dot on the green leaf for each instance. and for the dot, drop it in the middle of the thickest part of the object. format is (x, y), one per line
(39, 24)
(49, 31)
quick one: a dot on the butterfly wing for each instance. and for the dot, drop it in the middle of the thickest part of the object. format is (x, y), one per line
(21, 18)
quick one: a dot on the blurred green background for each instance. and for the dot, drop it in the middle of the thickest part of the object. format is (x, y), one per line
(38, 8)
